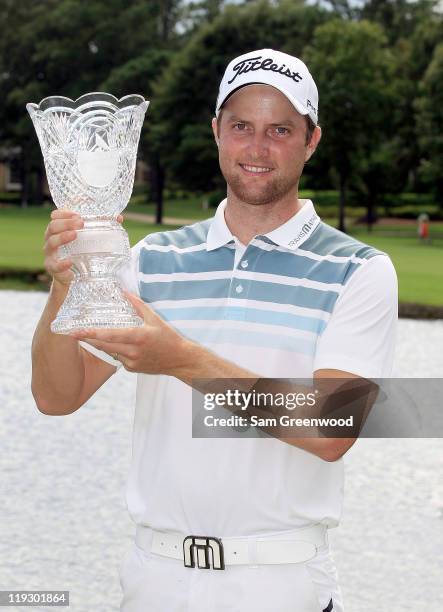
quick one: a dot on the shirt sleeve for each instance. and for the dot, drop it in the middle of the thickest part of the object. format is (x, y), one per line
(360, 335)
(128, 279)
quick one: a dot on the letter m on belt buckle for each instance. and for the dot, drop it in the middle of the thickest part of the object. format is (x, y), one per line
(203, 548)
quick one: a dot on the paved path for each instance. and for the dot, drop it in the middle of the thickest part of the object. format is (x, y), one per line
(64, 521)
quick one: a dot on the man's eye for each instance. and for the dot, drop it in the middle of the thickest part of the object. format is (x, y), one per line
(241, 127)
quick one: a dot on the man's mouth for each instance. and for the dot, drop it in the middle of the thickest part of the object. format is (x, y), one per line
(255, 169)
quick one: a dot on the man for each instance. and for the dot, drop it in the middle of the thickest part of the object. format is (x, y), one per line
(264, 289)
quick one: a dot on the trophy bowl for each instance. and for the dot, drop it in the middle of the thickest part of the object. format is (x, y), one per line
(89, 147)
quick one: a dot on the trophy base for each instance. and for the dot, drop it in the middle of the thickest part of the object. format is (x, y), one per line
(95, 303)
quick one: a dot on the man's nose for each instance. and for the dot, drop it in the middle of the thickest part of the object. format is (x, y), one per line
(258, 144)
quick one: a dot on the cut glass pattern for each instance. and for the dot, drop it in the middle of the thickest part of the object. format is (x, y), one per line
(89, 147)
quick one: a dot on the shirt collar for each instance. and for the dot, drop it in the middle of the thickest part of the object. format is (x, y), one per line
(219, 233)
(290, 235)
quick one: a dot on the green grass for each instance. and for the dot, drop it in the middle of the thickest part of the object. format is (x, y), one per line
(183, 209)
(326, 204)
(419, 266)
(22, 236)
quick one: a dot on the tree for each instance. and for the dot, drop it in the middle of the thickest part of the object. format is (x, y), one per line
(343, 8)
(16, 48)
(201, 11)
(184, 98)
(398, 18)
(353, 69)
(429, 107)
(374, 176)
(69, 47)
(413, 29)
(412, 56)
(138, 76)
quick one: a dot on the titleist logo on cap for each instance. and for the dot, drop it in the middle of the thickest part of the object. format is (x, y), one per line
(256, 63)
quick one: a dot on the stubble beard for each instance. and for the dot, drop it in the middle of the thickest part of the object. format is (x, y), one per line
(272, 191)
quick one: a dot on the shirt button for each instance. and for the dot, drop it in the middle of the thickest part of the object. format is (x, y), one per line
(239, 289)
(244, 263)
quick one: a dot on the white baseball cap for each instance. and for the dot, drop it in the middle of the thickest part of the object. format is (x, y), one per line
(285, 72)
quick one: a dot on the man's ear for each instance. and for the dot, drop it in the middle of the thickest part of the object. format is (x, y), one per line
(214, 129)
(315, 139)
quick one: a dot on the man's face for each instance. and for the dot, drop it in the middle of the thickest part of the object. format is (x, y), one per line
(262, 145)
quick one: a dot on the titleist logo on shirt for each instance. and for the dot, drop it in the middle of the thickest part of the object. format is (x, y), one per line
(256, 63)
(305, 230)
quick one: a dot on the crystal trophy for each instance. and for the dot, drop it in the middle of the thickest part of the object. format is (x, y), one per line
(89, 148)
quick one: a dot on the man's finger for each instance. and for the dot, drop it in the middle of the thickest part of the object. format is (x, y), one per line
(123, 350)
(142, 309)
(63, 213)
(123, 336)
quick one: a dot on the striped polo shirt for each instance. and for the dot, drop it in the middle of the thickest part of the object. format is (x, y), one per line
(294, 300)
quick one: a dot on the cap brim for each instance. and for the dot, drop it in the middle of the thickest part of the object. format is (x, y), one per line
(295, 103)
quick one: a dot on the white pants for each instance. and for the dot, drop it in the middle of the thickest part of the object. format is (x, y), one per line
(154, 583)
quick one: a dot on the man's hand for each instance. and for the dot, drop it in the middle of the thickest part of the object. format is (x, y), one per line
(61, 230)
(154, 348)
(157, 348)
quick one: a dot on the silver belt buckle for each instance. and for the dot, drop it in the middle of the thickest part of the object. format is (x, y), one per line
(205, 549)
